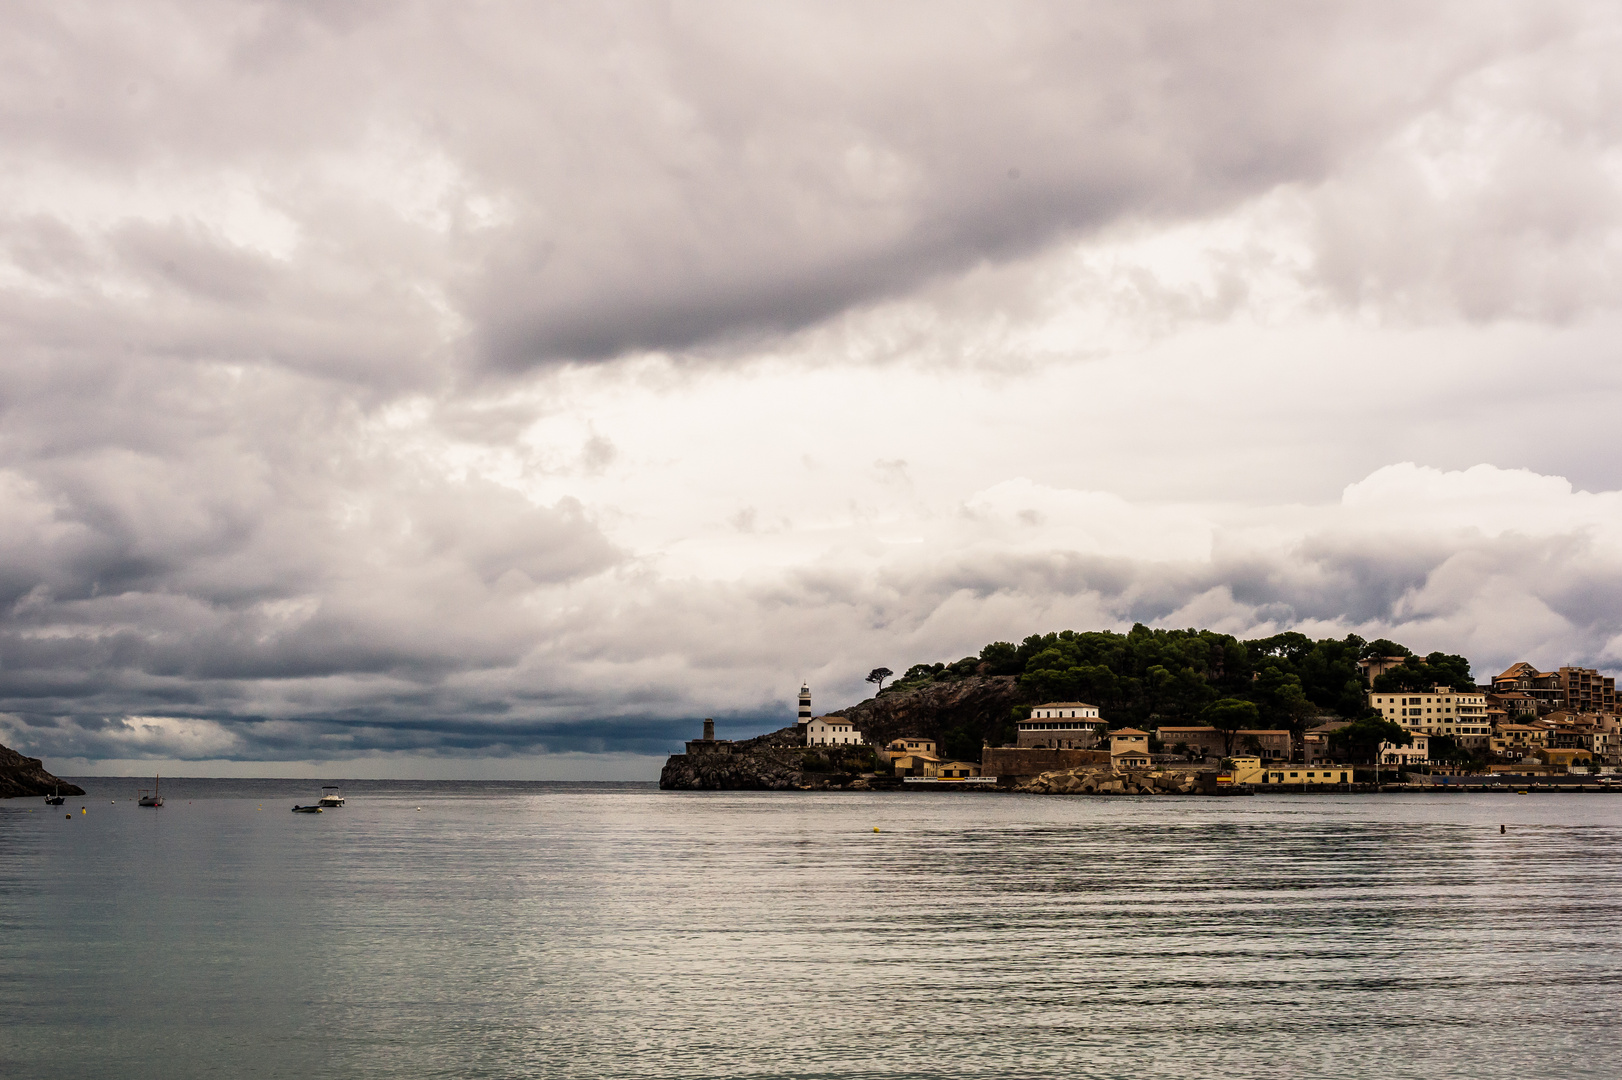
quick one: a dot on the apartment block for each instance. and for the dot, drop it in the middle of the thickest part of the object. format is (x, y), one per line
(1460, 715)
(1585, 690)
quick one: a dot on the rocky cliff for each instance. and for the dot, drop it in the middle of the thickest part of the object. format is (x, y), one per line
(979, 706)
(27, 776)
(772, 762)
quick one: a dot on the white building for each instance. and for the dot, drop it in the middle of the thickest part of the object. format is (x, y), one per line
(1067, 710)
(832, 731)
(1416, 753)
(1061, 725)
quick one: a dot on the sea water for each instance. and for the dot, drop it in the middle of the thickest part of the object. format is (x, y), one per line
(516, 930)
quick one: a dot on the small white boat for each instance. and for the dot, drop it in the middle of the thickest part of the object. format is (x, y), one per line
(331, 796)
(155, 798)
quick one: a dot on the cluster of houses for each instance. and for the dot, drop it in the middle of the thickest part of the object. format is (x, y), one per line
(1525, 719)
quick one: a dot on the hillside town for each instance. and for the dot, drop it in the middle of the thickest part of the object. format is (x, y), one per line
(1524, 723)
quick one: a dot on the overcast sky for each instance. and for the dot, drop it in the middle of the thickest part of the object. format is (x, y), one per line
(491, 389)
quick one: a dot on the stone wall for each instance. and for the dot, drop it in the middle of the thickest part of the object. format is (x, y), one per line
(1032, 761)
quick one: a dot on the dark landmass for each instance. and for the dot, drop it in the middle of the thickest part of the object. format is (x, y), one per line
(20, 776)
(1143, 678)
(773, 762)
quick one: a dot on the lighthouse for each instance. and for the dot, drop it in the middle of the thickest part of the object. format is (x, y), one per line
(805, 705)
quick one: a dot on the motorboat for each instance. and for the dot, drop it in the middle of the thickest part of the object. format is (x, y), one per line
(154, 798)
(331, 796)
(306, 809)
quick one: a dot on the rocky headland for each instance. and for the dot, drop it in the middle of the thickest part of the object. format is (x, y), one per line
(980, 706)
(772, 762)
(975, 707)
(20, 776)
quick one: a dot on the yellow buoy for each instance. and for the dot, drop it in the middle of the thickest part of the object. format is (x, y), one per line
(875, 828)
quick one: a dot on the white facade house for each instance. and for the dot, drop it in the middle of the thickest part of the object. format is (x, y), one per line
(832, 731)
(1065, 710)
(1417, 753)
(1061, 725)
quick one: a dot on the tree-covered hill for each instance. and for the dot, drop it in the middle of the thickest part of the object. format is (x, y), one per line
(1152, 677)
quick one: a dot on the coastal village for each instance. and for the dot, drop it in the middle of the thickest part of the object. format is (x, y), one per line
(1526, 726)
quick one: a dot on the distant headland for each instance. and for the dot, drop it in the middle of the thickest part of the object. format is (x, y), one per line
(1188, 712)
(21, 776)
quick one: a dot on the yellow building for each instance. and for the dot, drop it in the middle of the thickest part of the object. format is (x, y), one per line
(950, 770)
(915, 764)
(1128, 738)
(1129, 760)
(1129, 749)
(1276, 775)
(1566, 758)
(1518, 740)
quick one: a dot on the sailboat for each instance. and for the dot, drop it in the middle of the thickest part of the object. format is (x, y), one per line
(55, 798)
(154, 799)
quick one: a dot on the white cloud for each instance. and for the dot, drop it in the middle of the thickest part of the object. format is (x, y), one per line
(903, 332)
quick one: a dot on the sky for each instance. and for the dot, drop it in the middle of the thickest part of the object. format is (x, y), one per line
(497, 389)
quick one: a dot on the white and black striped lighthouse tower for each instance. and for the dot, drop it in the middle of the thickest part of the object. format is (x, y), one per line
(805, 705)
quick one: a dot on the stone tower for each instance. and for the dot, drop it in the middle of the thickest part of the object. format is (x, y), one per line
(805, 704)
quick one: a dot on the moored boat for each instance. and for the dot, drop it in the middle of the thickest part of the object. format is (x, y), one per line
(155, 797)
(331, 795)
(306, 809)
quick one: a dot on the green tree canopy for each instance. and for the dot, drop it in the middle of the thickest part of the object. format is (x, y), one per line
(1422, 673)
(1360, 740)
(1229, 716)
(1151, 677)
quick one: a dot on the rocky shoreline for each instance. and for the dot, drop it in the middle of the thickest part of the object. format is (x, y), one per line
(23, 776)
(1102, 781)
(780, 762)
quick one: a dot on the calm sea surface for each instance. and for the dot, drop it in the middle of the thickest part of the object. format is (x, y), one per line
(583, 930)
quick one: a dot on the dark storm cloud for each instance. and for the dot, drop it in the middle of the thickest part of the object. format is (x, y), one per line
(584, 181)
(785, 164)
